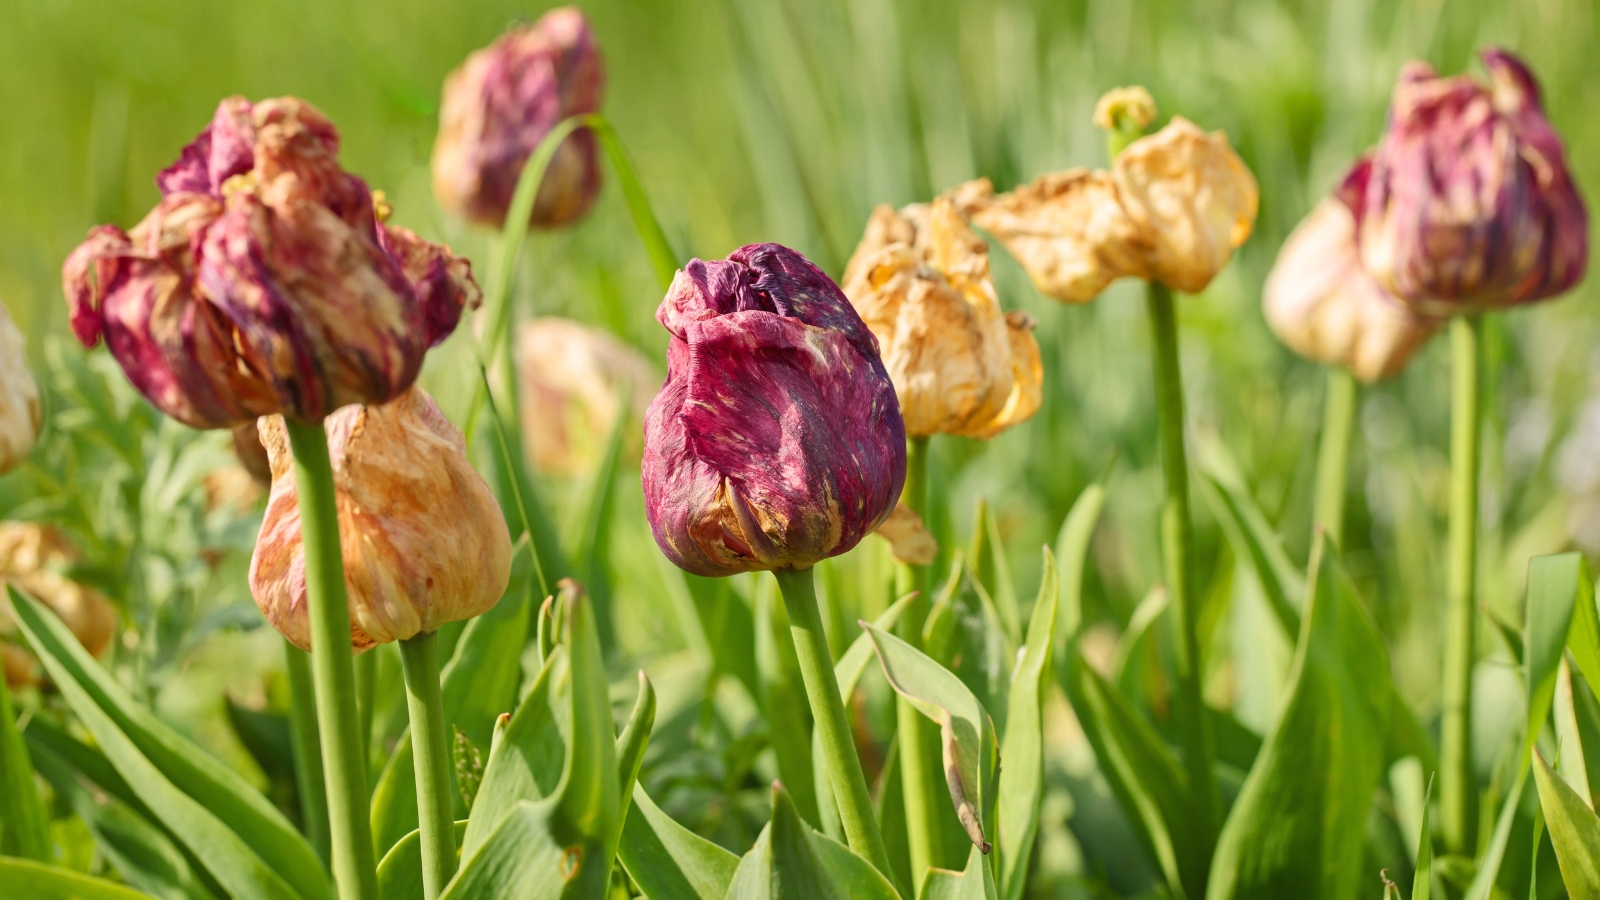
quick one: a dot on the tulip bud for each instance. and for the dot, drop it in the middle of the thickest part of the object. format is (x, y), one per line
(1321, 303)
(1125, 109)
(497, 108)
(34, 559)
(424, 540)
(1467, 204)
(920, 280)
(263, 282)
(20, 410)
(573, 383)
(776, 441)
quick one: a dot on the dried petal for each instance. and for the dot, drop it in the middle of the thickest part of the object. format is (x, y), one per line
(424, 540)
(909, 541)
(20, 410)
(573, 383)
(34, 558)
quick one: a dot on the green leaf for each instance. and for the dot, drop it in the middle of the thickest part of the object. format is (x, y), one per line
(400, 870)
(236, 834)
(791, 860)
(526, 762)
(1072, 550)
(1557, 585)
(630, 746)
(1586, 715)
(1022, 776)
(668, 861)
(966, 734)
(1251, 533)
(1569, 734)
(662, 259)
(24, 826)
(1574, 832)
(976, 882)
(1299, 824)
(1483, 883)
(1422, 881)
(38, 881)
(987, 559)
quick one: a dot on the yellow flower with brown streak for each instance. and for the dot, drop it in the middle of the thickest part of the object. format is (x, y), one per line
(920, 280)
(20, 411)
(573, 382)
(1173, 208)
(424, 540)
(33, 558)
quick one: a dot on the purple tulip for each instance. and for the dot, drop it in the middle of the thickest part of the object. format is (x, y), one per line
(777, 440)
(1467, 204)
(264, 281)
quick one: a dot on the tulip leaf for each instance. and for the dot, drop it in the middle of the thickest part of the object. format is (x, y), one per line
(1574, 831)
(24, 825)
(1569, 733)
(631, 743)
(976, 882)
(1022, 776)
(1483, 883)
(987, 559)
(662, 258)
(1072, 550)
(1299, 824)
(1557, 586)
(237, 834)
(40, 881)
(400, 870)
(1422, 880)
(668, 861)
(791, 860)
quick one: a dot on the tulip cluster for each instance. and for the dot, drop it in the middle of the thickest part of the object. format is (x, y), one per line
(20, 410)
(34, 559)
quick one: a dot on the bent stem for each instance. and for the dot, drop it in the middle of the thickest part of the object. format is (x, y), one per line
(1177, 544)
(431, 753)
(827, 708)
(333, 673)
(1333, 456)
(307, 760)
(1458, 794)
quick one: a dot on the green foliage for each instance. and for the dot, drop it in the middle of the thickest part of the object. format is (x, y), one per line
(1574, 830)
(40, 881)
(791, 860)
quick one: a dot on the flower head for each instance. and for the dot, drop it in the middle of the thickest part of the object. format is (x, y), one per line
(920, 280)
(424, 540)
(35, 558)
(263, 282)
(1467, 203)
(1130, 108)
(499, 105)
(777, 440)
(574, 383)
(20, 410)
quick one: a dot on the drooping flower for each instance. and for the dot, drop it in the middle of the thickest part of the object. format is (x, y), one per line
(264, 282)
(1321, 302)
(424, 540)
(1467, 203)
(573, 383)
(497, 108)
(1173, 208)
(920, 280)
(20, 409)
(777, 440)
(35, 559)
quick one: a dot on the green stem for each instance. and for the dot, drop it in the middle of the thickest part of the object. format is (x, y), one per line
(307, 759)
(921, 784)
(430, 749)
(1458, 794)
(1333, 457)
(354, 869)
(827, 708)
(1177, 544)
(25, 830)
(366, 686)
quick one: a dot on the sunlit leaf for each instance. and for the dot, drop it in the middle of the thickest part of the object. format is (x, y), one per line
(24, 826)
(400, 870)
(1574, 832)
(668, 861)
(38, 881)
(1022, 749)
(1072, 549)
(975, 882)
(791, 860)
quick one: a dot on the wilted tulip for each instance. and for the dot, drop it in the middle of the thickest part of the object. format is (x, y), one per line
(263, 282)
(20, 411)
(573, 382)
(776, 441)
(424, 540)
(1467, 204)
(497, 108)
(34, 558)
(1173, 208)
(1323, 304)
(920, 280)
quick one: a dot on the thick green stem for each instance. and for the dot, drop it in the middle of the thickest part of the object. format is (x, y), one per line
(354, 869)
(922, 784)
(366, 688)
(307, 759)
(1333, 457)
(430, 749)
(1458, 791)
(827, 708)
(1177, 545)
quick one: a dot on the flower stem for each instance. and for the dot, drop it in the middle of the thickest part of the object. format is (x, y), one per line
(1177, 544)
(307, 759)
(1457, 795)
(354, 869)
(827, 708)
(921, 785)
(431, 751)
(1333, 457)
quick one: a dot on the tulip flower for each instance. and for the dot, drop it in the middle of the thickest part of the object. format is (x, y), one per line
(424, 540)
(34, 558)
(777, 440)
(920, 280)
(264, 281)
(574, 382)
(1321, 302)
(20, 410)
(1467, 204)
(497, 108)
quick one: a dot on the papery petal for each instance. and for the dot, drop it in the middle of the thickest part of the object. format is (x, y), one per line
(441, 281)
(909, 541)
(33, 558)
(224, 149)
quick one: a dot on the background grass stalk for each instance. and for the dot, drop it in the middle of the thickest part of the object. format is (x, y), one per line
(1177, 545)
(1333, 455)
(354, 868)
(1458, 791)
(827, 708)
(431, 753)
(303, 737)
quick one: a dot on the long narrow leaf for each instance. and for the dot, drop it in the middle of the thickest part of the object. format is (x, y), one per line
(668, 861)
(1022, 749)
(38, 881)
(24, 827)
(1574, 832)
